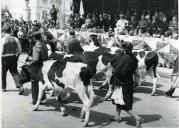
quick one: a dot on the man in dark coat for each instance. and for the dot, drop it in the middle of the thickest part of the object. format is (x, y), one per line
(122, 79)
(73, 44)
(53, 13)
(39, 55)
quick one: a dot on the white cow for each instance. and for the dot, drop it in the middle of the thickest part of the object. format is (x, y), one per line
(61, 75)
(148, 61)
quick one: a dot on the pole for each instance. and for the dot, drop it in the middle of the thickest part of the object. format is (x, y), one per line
(103, 6)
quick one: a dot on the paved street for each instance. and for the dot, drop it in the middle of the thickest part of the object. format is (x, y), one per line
(157, 111)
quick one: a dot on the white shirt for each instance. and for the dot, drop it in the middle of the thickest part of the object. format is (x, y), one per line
(122, 23)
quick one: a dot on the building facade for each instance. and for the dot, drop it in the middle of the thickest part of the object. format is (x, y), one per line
(39, 9)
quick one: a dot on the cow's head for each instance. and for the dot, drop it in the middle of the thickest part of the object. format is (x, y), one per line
(25, 76)
(104, 61)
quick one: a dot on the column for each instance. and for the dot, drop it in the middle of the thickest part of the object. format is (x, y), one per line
(28, 14)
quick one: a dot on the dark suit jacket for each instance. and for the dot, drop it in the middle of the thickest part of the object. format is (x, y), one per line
(73, 46)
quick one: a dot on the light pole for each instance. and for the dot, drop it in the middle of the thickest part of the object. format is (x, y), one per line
(27, 9)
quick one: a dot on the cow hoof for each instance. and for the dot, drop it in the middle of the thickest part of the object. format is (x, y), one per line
(152, 94)
(35, 109)
(64, 114)
(85, 124)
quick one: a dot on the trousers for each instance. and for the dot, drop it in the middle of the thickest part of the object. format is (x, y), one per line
(9, 63)
(35, 92)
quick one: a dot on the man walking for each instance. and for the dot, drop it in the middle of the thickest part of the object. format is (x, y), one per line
(11, 50)
(39, 55)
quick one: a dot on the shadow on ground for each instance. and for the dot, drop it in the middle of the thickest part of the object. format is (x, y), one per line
(148, 84)
(143, 89)
(96, 118)
(147, 118)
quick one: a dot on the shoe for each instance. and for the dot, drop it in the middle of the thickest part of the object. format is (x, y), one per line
(21, 90)
(169, 92)
(168, 95)
(138, 122)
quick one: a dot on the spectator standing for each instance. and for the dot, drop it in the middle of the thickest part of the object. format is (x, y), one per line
(143, 24)
(21, 37)
(11, 50)
(53, 13)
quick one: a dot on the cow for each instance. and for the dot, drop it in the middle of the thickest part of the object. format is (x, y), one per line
(90, 58)
(61, 75)
(147, 64)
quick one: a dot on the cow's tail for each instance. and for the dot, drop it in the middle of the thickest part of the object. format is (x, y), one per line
(86, 77)
(151, 61)
(156, 64)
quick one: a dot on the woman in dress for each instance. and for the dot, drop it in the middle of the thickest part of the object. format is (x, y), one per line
(122, 80)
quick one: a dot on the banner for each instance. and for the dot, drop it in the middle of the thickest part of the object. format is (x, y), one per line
(150, 41)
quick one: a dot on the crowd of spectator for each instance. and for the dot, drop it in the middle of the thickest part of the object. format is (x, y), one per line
(129, 22)
(23, 30)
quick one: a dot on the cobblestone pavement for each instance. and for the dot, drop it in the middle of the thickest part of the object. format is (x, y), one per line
(157, 111)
